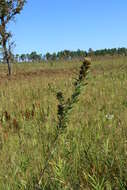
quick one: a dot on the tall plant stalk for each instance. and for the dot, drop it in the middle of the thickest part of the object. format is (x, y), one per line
(64, 108)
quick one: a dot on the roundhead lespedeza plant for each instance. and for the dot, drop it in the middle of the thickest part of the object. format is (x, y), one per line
(64, 107)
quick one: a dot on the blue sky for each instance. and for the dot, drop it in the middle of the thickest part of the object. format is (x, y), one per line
(54, 25)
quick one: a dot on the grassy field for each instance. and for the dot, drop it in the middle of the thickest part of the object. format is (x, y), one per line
(91, 153)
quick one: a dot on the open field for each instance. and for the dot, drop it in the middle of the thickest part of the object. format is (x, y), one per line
(92, 151)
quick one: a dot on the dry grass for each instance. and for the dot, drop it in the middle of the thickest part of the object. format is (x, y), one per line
(91, 154)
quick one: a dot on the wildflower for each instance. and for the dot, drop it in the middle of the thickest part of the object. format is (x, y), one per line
(109, 116)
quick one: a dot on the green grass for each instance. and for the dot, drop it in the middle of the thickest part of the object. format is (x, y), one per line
(92, 151)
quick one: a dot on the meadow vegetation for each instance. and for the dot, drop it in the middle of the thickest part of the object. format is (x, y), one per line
(91, 153)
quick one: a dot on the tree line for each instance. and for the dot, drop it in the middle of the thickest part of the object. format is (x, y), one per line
(68, 55)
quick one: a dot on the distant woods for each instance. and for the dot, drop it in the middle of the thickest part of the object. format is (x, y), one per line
(68, 55)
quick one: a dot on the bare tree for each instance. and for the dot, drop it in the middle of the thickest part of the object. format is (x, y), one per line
(8, 10)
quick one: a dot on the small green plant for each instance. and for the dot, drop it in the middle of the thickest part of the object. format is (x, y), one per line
(96, 184)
